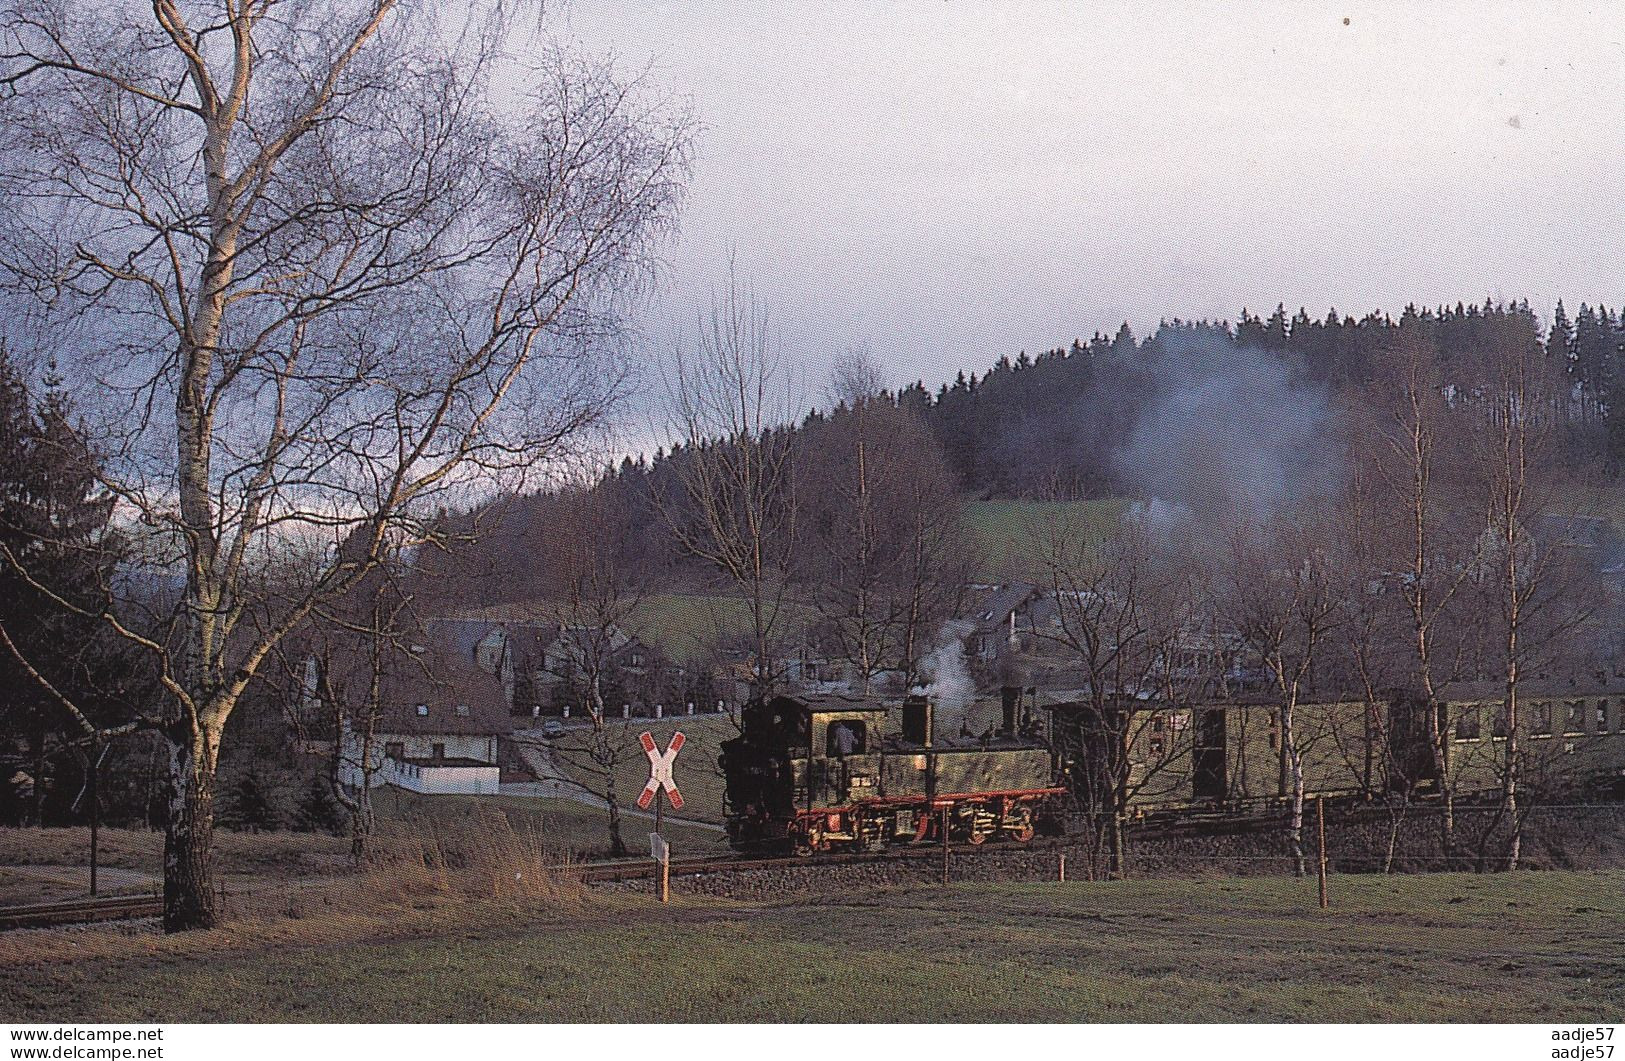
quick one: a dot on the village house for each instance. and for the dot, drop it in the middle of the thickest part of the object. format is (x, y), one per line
(435, 726)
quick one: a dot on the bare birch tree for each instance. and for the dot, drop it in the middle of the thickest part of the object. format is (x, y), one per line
(1523, 564)
(1434, 561)
(318, 276)
(735, 506)
(594, 617)
(1285, 603)
(340, 662)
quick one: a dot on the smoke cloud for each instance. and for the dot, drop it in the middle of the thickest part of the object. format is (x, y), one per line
(1227, 428)
(948, 678)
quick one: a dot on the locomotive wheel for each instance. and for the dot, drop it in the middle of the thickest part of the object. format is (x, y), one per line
(974, 833)
(809, 843)
(1022, 831)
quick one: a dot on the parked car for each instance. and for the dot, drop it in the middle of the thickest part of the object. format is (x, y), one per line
(552, 729)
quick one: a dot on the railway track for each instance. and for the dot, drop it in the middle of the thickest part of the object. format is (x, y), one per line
(80, 911)
(615, 872)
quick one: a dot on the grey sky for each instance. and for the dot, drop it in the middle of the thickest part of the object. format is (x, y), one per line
(947, 183)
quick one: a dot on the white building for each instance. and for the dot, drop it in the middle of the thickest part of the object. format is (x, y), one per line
(436, 724)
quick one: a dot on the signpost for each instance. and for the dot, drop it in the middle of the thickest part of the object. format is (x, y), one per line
(659, 787)
(660, 851)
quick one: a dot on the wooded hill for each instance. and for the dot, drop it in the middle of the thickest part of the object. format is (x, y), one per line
(1261, 409)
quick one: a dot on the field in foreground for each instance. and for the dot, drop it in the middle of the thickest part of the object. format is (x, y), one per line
(1522, 947)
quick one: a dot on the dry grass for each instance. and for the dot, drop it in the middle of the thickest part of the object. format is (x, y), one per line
(491, 858)
(1449, 947)
(413, 884)
(481, 853)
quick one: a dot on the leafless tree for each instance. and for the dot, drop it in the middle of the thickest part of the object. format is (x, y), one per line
(1525, 563)
(1121, 620)
(881, 513)
(1433, 558)
(735, 509)
(1285, 602)
(594, 618)
(338, 663)
(319, 277)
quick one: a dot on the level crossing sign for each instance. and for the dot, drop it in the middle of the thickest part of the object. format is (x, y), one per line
(660, 764)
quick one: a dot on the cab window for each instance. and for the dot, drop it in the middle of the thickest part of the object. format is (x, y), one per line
(845, 738)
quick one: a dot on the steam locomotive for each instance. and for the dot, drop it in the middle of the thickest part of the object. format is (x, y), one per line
(817, 773)
(826, 772)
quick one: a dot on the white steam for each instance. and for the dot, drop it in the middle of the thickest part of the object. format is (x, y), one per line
(947, 675)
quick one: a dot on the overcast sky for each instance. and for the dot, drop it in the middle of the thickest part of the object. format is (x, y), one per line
(950, 182)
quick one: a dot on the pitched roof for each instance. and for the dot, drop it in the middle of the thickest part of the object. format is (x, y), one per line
(456, 696)
(992, 609)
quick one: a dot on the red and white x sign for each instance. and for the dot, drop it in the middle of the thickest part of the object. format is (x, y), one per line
(660, 770)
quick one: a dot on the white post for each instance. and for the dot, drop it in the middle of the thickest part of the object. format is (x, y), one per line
(660, 710)
(626, 710)
(691, 707)
(566, 710)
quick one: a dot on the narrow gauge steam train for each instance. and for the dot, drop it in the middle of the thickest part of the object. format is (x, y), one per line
(819, 772)
(1231, 757)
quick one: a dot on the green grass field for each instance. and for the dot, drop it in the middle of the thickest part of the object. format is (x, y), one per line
(1445, 948)
(1008, 537)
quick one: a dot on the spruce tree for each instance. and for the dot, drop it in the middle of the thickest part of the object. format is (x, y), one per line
(55, 523)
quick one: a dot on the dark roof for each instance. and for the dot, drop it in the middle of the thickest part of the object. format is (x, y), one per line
(1538, 688)
(431, 671)
(993, 608)
(822, 702)
(460, 635)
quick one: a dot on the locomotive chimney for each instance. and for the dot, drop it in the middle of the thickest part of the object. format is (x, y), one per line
(1011, 695)
(917, 721)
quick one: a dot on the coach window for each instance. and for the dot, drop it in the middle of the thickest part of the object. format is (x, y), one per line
(1575, 724)
(1467, 724)
(1543, 720)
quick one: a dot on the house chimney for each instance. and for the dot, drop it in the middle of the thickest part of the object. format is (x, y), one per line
(917, 721)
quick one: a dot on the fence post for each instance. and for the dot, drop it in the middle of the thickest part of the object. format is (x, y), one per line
(1320, 828)
(1063, 867)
